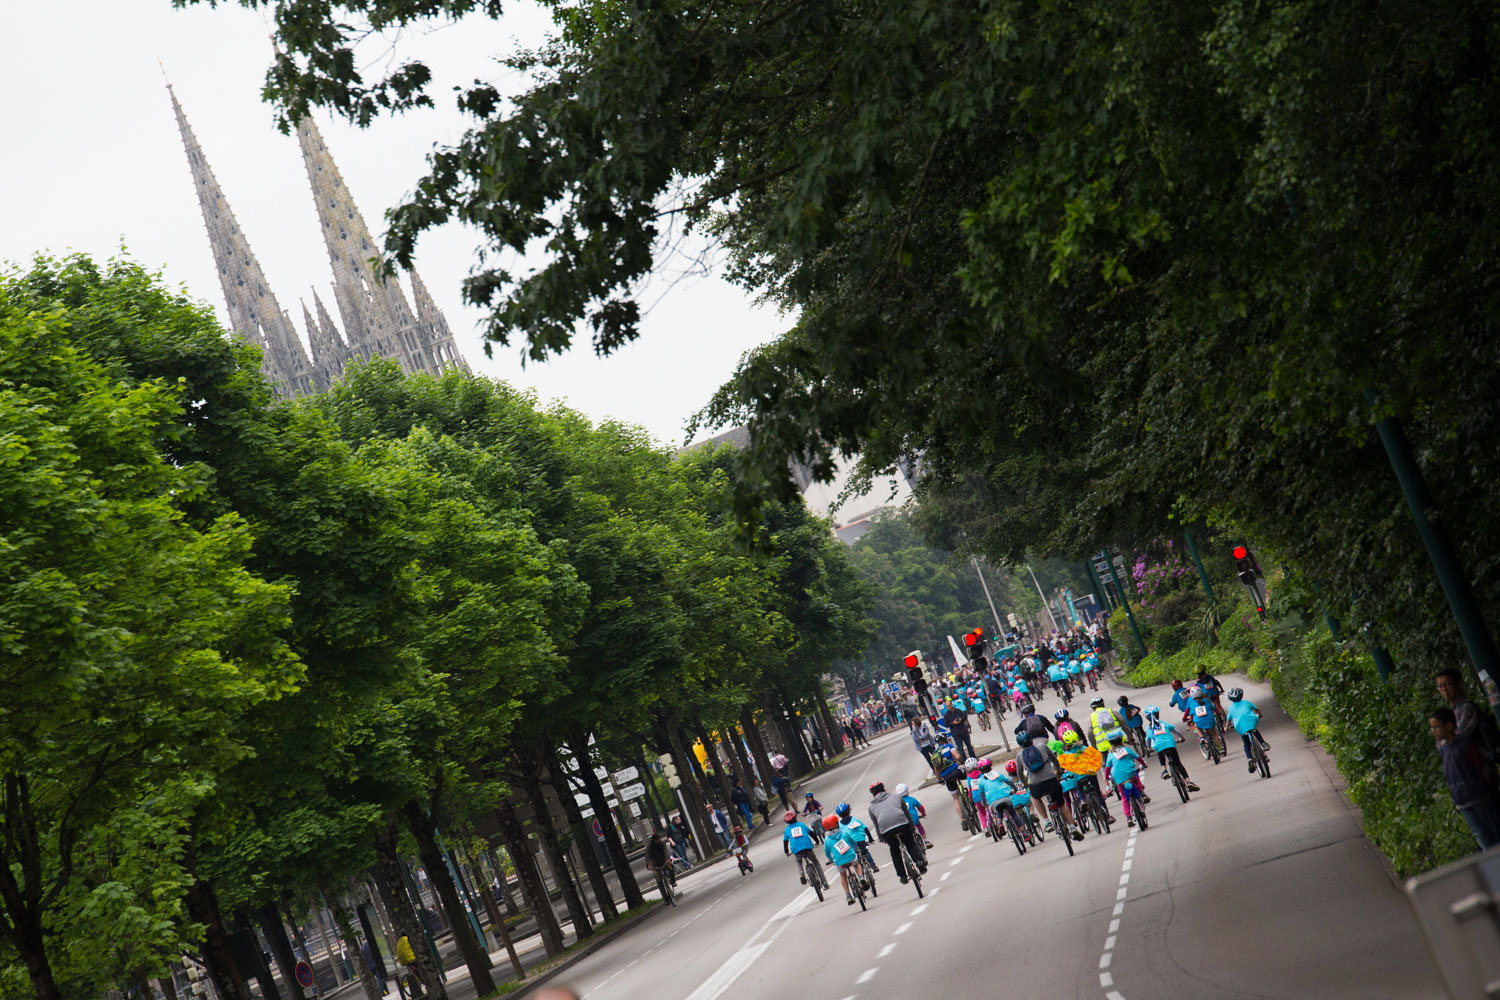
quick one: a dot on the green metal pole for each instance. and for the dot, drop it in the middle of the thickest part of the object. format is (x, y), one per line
(1135, 630)
(1450, 575)
(1198, 562)
(1107, 603)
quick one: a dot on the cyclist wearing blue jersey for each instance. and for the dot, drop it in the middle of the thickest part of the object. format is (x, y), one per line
(858, 830)
(915, 810)
(1201, 714)
(843, 849)
(1163, 737)
(1245, 718)
(797, 842)
(1124, 769)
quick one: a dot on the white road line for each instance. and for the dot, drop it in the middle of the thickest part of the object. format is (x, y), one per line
(1125, 879)
(966, 848)
(919, 909)
(945, 876)
(903, 928)
(887, 950)
(1114, 995)
(867, 975)
(717, 984)
(937, 890)
(1109, 943)
(1126, 866)
(1106, 980)
(1121, 893)
(1114, 925)
(955, 861)
(1119, 909)
(1105, 959)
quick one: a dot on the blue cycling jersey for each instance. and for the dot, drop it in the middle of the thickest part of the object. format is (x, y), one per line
(857, 830)
(797, 837)
(1162, 737)
(841, 847)
(913, 809)
(1244, 715)
(1202, 712)
(1123, 765)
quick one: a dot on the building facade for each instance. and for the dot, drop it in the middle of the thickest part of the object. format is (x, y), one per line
(375, 317)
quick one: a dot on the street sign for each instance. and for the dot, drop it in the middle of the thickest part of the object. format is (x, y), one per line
(632, 791)
(304, 975)
(597, 828)
(629, 774)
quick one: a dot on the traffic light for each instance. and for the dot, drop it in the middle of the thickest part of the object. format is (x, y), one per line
(974, 643)
(1249, 573)
(914, 666)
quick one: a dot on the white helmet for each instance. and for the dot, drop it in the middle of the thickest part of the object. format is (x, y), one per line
(971, 763)
(902, 789)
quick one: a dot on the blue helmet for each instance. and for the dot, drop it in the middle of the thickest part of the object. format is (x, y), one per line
(841, 810)
(1060, 714)
(1023, 738)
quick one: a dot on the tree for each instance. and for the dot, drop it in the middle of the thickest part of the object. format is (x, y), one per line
(133, 640)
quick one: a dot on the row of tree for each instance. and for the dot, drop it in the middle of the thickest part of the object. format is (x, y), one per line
(249, 647)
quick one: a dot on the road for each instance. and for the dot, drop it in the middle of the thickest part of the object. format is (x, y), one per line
(1255, 888)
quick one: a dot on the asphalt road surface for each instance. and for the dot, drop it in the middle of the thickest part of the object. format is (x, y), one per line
(1254, 888)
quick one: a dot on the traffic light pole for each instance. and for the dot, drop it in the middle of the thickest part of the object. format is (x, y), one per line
(999, 628)
(1198, 562)
(1455, 584)
(1043, 596)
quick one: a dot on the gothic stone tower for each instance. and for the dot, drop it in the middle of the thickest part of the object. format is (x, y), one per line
(378, 321)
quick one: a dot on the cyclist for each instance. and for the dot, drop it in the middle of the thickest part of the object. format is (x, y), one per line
(889, 820)
(1212, 689)
(916, 811)
(796, 841)
(1033, 725)
(1057, 676)
(950, 769)
(1245, 718)
(841, 848)
(995, 791)
(1072, 744)
(1019, 785)
(1129, 713)
(971, 770)
(1102, 720)
(860, 832)
(1065, 724)
(811, 807)
(1202, 716)
(656, 856)
(1180, 700)
(1124, 769)
(981, 710)
(1041, 770)
(1163, 737)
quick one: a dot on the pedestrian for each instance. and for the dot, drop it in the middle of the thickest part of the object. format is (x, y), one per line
(780, 785)
(740, 799)
(1471, 778)
(1474, 723)
(779, 762)
(677, 830)
(924, 739)
(720, 822)
(371, 964)
(761, 800)
(817, 748)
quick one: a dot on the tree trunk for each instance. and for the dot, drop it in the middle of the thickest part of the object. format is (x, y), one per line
(583, 924)
(737, 754)
(218, 956)
(392, 882)
(595, 791)
(506, 899)
(167, 987)
(345, 931)
(758, 749)
(720, 779)
(709, 843)
(502, 933)
(281, 948)
(334, 961)
(582, 835)
(298, 941)
(27, 940)
(832, 727)
(475, 957)
(261, 971)
(532, 888)
(796, 750)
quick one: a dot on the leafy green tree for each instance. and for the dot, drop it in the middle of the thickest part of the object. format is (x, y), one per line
(132, 641)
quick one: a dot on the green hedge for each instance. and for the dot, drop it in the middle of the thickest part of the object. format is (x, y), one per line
(1376, 732)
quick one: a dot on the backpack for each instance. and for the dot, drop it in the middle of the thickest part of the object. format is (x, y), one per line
(1033, 759)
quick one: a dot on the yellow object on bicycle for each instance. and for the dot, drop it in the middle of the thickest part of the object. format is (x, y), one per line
(1085, 761)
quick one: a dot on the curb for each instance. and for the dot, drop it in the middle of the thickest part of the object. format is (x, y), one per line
(585, 952)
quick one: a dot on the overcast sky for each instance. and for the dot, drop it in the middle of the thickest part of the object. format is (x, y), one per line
(91, 160)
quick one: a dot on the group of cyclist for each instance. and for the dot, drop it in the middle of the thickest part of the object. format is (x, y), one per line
(895, 819)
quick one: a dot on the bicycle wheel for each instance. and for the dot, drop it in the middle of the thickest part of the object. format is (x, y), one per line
(912, 871)
(666, 890)
(1015, 834)
(1213, 747)
(1140, 812)
(814, 878)
(1180, 785)
(1064, 831)
(1262, 762)
(859, 890)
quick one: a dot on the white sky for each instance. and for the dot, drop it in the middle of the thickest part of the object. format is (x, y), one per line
(91, 160)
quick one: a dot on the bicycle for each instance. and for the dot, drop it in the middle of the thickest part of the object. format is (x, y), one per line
(913, 872)
(1129, 791)
(664, 883)
(1258, 755)
(867, 859)
(812, 872)
(1209, 744)
(857, 886)
(1060, 825)
(970, 814)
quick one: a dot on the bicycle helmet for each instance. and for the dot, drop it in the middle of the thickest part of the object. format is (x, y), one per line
(971, 764)
(830, 822)
(1010, 767)
(737, 829)
(841, 810)
(1023, 738)
(808, 795)
(1152, 711)
(1235, 694)
(1070, 737)
(1096, 702)
(1060, 714)
(1123, 700)
(1177, 685)
(876, 787)
(789, 817)
(902, 789)
(1195, 692)
(984, 762)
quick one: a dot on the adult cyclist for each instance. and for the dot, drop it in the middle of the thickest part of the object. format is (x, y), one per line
(1102, 720)
(892, 824)
(1042, 774)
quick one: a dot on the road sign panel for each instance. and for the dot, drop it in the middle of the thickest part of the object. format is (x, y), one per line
(304, 974)
(629, 774)
(632, 791)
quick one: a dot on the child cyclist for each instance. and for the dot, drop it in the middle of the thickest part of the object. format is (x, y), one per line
(841, 848)
(1245, 718)
(995, 791)
(1124, 769)
(915, 810)
(813, 810)
(743, 843)
(1163, 738)
(797, 841)
(860, 832)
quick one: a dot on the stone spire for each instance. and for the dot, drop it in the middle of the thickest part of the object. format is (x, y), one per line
(434, 326)
(253, 311)
(328, 349)
(377, 318)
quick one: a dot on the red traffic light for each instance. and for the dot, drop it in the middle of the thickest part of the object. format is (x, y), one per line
(1240, 552)
(970, 639)
(911, 659)
(978, 632)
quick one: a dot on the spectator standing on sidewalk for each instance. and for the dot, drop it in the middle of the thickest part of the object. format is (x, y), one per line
(741, 801)
(924, 739)
(957, 721)
(677, 830)
(1471, 778)
(780, 785)
(1473, 722)
(720, 823)
(761, 800)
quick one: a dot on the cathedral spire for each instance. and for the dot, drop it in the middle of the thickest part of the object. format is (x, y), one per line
(253, 311)
(378, 320)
